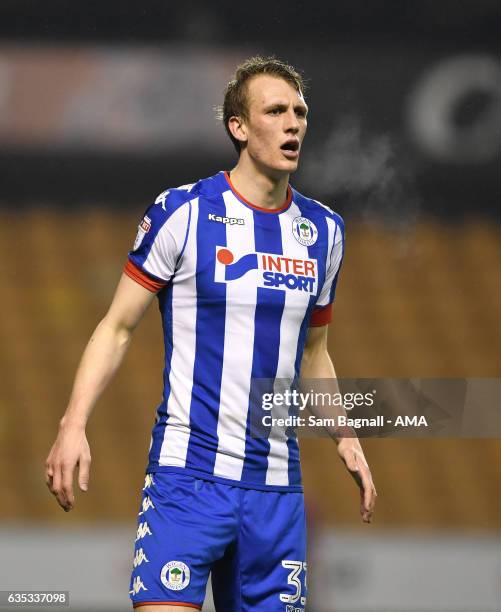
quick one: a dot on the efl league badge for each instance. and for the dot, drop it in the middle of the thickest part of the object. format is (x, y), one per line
(305, 231)
(143, 228)
(175, 575)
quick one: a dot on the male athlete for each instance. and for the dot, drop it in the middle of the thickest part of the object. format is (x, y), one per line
(245, 270)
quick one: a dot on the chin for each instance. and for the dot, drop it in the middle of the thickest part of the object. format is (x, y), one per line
(288, 165)
(280, 167)
(291, 166)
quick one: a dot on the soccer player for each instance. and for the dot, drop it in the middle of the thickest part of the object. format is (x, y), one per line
(245, 269)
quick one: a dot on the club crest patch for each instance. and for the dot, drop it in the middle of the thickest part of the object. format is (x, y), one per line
(305, 231)
(175, 575)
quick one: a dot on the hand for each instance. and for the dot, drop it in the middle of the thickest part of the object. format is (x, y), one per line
(69, 450)
(351, 453)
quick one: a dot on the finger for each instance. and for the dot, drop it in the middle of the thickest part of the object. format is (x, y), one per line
(368, 492)
(49, 473)
(365, 485)
(67, 486)
(363, 511)
(57, 486)
(84, 474)
(367, 499)
(371, 495)
(368, 514)
(365, 514)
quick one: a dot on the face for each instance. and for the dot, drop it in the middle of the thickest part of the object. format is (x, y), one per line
(276, 125)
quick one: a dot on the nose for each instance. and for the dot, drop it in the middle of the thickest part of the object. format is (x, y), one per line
(292, 124)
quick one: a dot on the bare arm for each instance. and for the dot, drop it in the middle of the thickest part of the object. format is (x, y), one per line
(102, 357)
(317, 364)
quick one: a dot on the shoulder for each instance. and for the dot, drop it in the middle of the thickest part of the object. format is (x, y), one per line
(173, 198)
(315, 209)
(169, 200)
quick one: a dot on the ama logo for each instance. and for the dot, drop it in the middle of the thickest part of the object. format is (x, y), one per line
(270, 270)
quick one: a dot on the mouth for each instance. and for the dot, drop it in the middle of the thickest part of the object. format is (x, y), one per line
(290, 149)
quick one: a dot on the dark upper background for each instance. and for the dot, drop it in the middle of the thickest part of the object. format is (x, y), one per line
(405, 100)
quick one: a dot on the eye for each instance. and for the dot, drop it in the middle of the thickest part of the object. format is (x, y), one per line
(274, 111)
(301, 113)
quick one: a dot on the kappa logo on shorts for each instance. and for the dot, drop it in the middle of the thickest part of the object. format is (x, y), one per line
(146, 504)
(148, 481)
(140, 557)
(137, 586)
(273, 271)
(142, 531)
(175, 575)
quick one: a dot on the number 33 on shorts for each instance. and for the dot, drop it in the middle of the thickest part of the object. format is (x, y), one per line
(294, 579)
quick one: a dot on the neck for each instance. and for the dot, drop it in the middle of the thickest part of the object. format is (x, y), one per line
(261, 189)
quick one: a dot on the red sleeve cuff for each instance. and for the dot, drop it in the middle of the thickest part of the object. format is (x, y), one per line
(143, 279)
(322, 315)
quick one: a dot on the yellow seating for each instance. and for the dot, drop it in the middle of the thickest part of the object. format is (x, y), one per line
(420, 302)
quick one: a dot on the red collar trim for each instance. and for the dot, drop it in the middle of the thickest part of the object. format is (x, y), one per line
(285, 205)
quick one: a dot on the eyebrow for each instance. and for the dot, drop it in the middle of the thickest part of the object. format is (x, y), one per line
(283, 105)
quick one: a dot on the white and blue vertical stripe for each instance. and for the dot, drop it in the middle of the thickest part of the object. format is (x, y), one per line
(219, 336)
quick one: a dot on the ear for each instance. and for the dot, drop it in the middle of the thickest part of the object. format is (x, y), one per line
(238, 129)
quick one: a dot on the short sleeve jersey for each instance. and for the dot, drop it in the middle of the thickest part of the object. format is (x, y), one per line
(238, 286)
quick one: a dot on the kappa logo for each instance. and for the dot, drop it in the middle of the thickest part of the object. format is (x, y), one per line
(272, 271)
(226, 220)
(140, 557)
(175, 575)
(148, 481)
(162, 198)
(142, 531)
(147, 503)
(137, 586)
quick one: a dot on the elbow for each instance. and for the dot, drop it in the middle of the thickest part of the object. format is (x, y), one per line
(310, 357)
(121, 332)
(316, 359)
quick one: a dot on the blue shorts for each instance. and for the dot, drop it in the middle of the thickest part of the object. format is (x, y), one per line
(253, 542)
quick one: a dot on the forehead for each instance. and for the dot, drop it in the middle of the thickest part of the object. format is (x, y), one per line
(264, 89)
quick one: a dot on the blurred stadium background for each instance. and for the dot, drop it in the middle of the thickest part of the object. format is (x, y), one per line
(103, 107)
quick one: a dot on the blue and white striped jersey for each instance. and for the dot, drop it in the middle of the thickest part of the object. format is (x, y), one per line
(238, 286)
